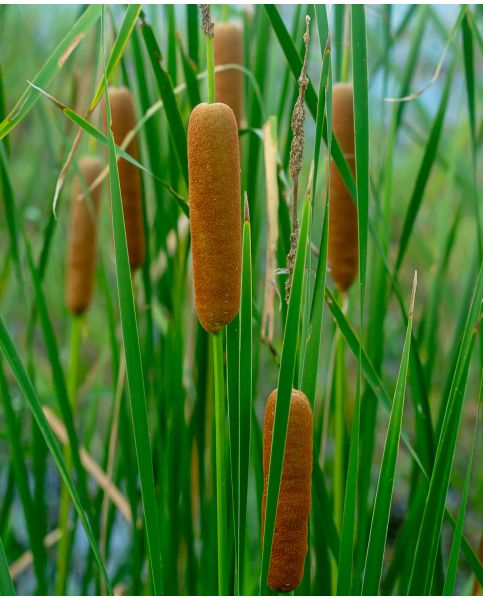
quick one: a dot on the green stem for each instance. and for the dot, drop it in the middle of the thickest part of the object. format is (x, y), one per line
(346, 55)
(221, 513)
(210, 69)
(339, 436)
(65, 540)
(339, 433)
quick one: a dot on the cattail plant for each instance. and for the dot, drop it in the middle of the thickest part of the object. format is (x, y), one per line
(289, 545)
(123, 120)
(343, 237)
(215, 213)
(81, 254)
(228, 49)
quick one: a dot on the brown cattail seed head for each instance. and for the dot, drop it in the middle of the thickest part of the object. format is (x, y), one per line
(289, 545)
(215, 213)
(343, 238)
(81, 253)
(228, 49)
(123, 120)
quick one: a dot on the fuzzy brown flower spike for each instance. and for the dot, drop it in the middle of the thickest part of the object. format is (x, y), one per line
(297, 155)
(206, 24)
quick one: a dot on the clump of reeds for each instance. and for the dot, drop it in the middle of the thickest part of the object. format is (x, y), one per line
(123, 121)
(289, 545)
(343, 237)
(81, 253)
(228, 49)
(215, 213)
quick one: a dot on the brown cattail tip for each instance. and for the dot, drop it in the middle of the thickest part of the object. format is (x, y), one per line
(343, 238)
(123, 120)
(228, 49)
(81, 253)
(291, 524)
(215, 213)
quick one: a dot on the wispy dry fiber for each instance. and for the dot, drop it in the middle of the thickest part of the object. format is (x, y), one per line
(297, 155)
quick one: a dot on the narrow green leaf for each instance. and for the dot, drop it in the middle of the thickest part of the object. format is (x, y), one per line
(51, 68)
(282, 408)
(134, 369)
(21, 482)
(361, 132)
(429, 532)
(189, 70)
(220, 436)
(458, 533)
(245, 391)
(470, 94)
(127, 26)
(165, 88)
(10, 211)
(385, 484)
(6, 585)
(193, 31)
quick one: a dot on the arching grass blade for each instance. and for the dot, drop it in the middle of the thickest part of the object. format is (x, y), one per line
(385, 485)
(134, 369)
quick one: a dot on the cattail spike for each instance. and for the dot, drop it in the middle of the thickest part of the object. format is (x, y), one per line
(343, 254)
(215, 213)
(82, 251)
(289, 545)
(228, 49)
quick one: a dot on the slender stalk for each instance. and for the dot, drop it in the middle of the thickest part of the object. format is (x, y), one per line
(209, 31)
(221, 513)
(339, 430)
(347, 47)
(65, 540)
(210, 69)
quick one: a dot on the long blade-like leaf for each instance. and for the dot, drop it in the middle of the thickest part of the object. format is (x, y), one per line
(429, 532)
(6, 585)
(245, 390)
(458, 533)
(282, 407)
(134, 368)
(361, 132)
(385, 485)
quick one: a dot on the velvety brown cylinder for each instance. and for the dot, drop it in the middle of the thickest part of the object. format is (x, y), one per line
(215, 213)
(343, 237)
(123, 120)
(228, 49)
(289, 546)
(82, 251)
